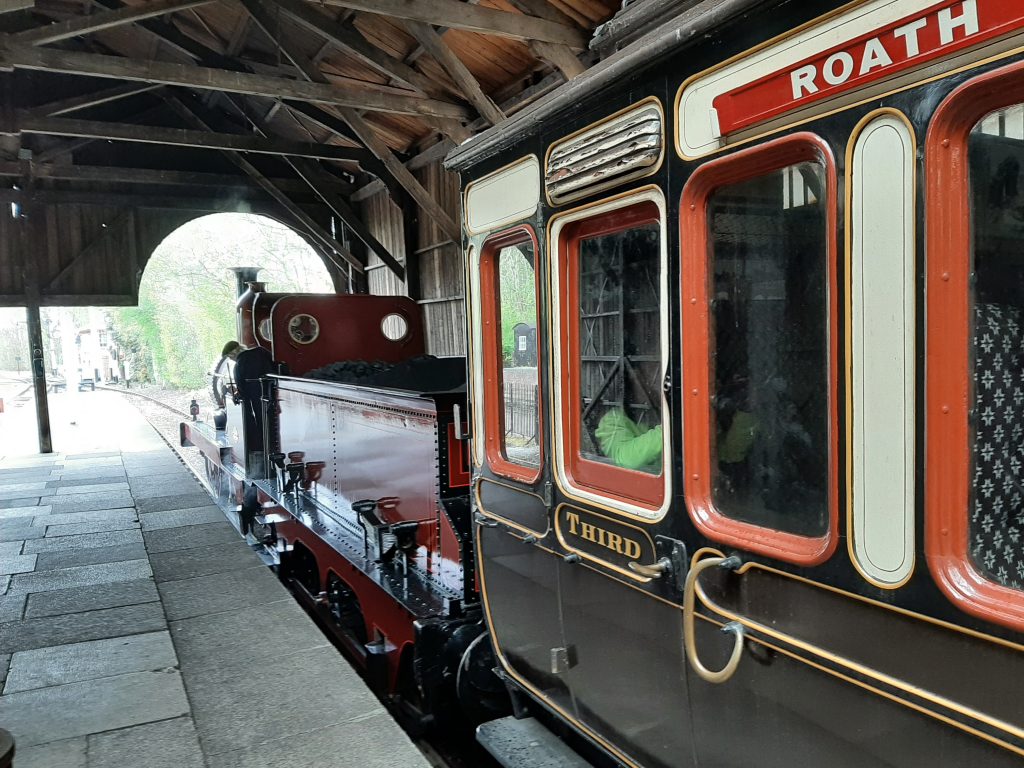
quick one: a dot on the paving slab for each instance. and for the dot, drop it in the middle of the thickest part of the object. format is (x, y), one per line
(11, 548)
(92, 706)
(322, 689)
(200, 641)
(81, 576)
(21, 500)
(187, 537)
(175, 518)
(92, 526)
(49, 561)
(28, 634)
(9, 489)
(12, 608)
(166, 744)
(11, 564)
(14, 533)
(90, 516)
(95, 475)
(219, 592)
(66, 483)
(28, 511)
(354, 744)
(94, 455)
(5, 660)
(69, 753)
(93, 598)
(63, 489)
(83, 541)
(201, 561)
(88, 502)
(166, 503)
(71, 663)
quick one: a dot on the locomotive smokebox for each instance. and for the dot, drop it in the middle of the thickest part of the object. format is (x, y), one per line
(244, 275)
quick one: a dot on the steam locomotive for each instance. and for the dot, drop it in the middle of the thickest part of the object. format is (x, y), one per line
(755, 496)
(353, 479)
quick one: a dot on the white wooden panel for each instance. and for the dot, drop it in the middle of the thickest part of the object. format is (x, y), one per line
(503, 197)
(882, 223)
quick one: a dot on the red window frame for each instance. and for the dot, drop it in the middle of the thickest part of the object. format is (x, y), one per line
(696, 335)
(490, 311)
(629, 486)
(947, 360)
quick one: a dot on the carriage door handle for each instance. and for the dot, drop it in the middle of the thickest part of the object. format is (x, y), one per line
(653, 571)
(735, 628)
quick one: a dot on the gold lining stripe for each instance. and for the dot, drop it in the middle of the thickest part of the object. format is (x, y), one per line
(840, 660)
(777, 128)
(848, 313)
(594, 558)
(884, 694)
(480, 480)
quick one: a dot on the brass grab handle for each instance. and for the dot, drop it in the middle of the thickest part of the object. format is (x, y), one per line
(653, 571)
(735, 628)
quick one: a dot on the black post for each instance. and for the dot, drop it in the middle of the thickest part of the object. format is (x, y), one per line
(35, 346)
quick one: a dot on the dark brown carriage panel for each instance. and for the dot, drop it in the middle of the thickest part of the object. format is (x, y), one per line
(625, 667)
(520, 589)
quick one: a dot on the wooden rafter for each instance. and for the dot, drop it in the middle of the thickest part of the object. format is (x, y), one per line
(83, 25)
(350, 41)
(458, 15)
(207, 78)
(373, 142)
(309, 225)
(91, 99)
(433, 43)
(102, 174)
(182, 137)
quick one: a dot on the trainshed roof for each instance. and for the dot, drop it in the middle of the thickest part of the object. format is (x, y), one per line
(303, 107)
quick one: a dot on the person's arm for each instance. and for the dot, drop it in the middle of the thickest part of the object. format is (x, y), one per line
(623, 442)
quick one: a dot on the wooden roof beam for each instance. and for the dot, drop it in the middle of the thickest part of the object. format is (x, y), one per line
(350, 41)
(435, 45)
(91, 99)
(92, 174)
(84, 25)
(308, 224)
(376, 145)
(182, 137)
(459, 15)
(206, 78)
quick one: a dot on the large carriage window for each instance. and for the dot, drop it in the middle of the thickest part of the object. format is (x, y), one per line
(768, 257)
(620, 347)
(610, 286)
(510, 341)
(996, 525)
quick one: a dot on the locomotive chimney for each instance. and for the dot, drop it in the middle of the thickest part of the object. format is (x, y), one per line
(244, 275)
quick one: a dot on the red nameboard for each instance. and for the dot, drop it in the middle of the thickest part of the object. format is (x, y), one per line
(939, 31)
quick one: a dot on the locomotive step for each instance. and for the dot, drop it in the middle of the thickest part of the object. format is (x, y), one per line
(526, 743)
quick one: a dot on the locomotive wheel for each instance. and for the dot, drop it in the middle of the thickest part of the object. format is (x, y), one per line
(481, 694)
(345, 611)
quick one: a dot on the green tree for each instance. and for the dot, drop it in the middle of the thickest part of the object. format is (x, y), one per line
(186, 309)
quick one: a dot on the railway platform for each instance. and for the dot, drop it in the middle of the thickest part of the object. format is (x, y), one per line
(137, 628)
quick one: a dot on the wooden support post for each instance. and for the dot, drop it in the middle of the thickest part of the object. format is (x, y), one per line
(38, 365)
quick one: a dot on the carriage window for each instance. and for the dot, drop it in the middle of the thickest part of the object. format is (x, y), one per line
(996, 509)
(510, 318)
(611, 368)
(769, 348)
(620, 348)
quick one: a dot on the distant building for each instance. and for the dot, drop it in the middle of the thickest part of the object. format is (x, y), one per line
(97, 353)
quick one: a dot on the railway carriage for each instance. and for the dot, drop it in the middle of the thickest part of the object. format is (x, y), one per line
(764, 503)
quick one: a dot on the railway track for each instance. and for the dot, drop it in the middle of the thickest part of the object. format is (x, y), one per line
(448, 750)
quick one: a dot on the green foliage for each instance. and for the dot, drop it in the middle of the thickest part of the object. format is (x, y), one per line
(186, 309)
(518, 295)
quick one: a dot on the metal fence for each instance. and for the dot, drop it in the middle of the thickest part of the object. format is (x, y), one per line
(520, 414)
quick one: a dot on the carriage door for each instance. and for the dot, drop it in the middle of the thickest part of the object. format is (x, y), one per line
(623, 659)
(760, 413)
